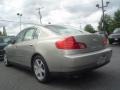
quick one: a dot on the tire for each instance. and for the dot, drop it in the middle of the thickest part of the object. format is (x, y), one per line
(6, 62)
(111, 41)
(40, 69)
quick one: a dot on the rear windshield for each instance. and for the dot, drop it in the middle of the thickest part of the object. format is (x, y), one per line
(117, 31)
(62, 30)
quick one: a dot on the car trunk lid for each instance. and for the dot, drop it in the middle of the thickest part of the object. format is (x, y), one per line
(93, 42)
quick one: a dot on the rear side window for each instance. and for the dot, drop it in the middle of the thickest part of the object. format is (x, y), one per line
(29, 35)
(61, 30)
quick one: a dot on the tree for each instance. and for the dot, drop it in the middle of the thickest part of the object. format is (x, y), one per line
(117, 19)
(89, 28)
(4, 32)
(108, 24)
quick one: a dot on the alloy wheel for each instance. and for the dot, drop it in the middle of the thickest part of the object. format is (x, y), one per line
(39, 69)
(5, 59)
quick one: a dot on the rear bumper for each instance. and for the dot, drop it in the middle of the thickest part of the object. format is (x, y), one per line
(78, 72)
(80, 62)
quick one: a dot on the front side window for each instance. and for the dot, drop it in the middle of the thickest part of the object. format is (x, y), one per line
(20, 36)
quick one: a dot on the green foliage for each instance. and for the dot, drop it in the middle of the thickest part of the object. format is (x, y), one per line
(89, 28)
(110, 23)
(117, 19)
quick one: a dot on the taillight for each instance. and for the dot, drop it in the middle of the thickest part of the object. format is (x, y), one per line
(105, 41)
(70, 43)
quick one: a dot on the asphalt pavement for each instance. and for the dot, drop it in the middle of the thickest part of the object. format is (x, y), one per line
(105, 78)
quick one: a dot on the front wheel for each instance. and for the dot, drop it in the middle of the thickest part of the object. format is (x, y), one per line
(6, 60)
(40, 69)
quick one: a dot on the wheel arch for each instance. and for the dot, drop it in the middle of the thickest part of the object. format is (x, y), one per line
(32, 58)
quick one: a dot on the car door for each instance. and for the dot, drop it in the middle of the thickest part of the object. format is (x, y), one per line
(13, 47)
(25, 49)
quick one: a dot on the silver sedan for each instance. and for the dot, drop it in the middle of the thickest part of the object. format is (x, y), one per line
(55, 48)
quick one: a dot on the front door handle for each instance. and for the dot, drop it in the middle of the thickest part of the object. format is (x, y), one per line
(30, 45)
(15, 46)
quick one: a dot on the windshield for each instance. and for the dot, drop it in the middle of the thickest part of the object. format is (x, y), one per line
(62, 30)
(117, 31)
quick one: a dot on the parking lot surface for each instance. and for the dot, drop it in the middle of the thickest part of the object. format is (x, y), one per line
(105, 78)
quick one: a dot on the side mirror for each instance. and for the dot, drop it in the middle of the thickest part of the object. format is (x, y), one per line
(12, 41)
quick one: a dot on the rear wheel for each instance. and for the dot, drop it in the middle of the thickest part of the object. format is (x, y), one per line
(40, 69)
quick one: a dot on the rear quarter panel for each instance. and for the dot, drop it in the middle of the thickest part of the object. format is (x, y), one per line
(52, 55)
